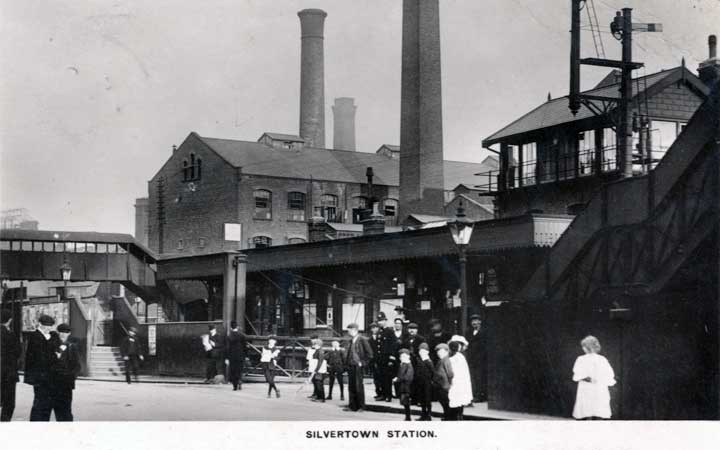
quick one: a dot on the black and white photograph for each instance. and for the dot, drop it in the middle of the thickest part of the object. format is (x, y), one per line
(314, 221)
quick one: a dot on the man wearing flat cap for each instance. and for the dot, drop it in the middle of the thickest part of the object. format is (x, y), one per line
(412, 343)
(63, 371)
(132, 353)
(436, 336)
(39, 357)
(10, 351)
(443, 377)
(476, 354)
(359, 356)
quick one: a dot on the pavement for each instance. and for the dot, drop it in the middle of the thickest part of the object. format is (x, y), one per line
(110, 398)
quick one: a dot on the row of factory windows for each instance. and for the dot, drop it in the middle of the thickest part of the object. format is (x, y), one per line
(328, 207)
(62, 247)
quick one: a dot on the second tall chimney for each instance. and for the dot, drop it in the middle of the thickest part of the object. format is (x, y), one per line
(344, 124)
(312, 77)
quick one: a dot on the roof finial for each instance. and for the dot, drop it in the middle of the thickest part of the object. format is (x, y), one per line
(683, 62)
(549, 96)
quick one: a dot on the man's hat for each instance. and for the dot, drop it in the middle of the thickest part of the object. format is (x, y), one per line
(381, 316)
(424, 346)
(413, 325)
(398, 319)
(133, 330)
(211, 327)
(274, 338)
(46, 320)
(353, 326)
(374, 325)
(475, 316)
(443, 346)
(434, 322)
(63, 328)
(233, 324)
(400, 309)
(404, 350)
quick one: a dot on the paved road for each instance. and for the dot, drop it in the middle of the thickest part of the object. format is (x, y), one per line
(113, 401)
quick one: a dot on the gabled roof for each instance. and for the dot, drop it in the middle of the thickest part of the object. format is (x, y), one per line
(282, 137)
(557, 112)
(254, 158)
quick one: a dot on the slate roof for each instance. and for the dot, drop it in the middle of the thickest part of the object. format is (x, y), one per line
(556, 111)
(254, 158)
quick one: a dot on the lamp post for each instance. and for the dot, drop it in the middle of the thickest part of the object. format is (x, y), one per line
(65, 272)
(461, 229)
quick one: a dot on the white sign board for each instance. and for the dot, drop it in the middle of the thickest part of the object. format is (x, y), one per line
(152, 340)
(233, 232)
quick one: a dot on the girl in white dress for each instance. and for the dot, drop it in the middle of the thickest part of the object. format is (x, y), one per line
(460, 393)
(593, 374)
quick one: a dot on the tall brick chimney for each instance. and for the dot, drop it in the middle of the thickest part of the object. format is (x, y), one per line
(312, 77)
(421, 140)
(344, 123)
(709, 70)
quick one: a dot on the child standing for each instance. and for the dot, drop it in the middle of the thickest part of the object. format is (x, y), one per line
(423, 378)
(594, 375)
(318, 367)
(268, 361)
(404, 379)
(336, 366)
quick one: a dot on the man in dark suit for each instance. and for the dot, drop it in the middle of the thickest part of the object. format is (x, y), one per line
(476, 355)
(436, 336)
(359, 355)
(10, 351)
(375, 340)
(386, 359)
(412, 343)
(396, 339)
(39, 356)
(63, 371)
(132, 354)
(235, 355)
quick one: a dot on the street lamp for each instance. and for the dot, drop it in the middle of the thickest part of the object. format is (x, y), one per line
(461, 229)
(65, 272)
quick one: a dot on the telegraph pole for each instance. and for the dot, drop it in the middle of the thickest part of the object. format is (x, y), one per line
(624, 130)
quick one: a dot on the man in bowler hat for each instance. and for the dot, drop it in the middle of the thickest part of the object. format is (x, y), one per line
(476, 355)
(63, 371)
(132, 354)
(10, 350)
(39, 357)
(359, 355)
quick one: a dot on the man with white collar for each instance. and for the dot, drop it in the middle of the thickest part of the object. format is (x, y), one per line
(359, 355)
(40, 354)
(63, 372)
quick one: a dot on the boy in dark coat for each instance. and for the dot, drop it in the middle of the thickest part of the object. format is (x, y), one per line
(424, 370)
(403, 380)
(63, 372)
(10, 350)
(442, 378)
(39, 357)
(336, 360)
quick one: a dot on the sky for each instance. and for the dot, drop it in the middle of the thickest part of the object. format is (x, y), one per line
(94, 94)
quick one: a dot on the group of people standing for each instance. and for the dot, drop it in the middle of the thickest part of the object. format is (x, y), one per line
(52, 363)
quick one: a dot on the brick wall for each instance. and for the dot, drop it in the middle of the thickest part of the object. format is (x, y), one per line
(191, 215)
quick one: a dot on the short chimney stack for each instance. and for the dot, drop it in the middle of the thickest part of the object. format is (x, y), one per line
(709, 70)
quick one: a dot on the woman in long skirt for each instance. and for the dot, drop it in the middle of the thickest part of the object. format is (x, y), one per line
(594, 375)
(460, 393)
(268, 361)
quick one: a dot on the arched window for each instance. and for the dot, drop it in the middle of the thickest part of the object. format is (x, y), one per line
(261, 241)
(328, 208)
(185, 170)
(191, 170)
(390, 207)
(296, 206)
(263, 204)
(192, 166)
